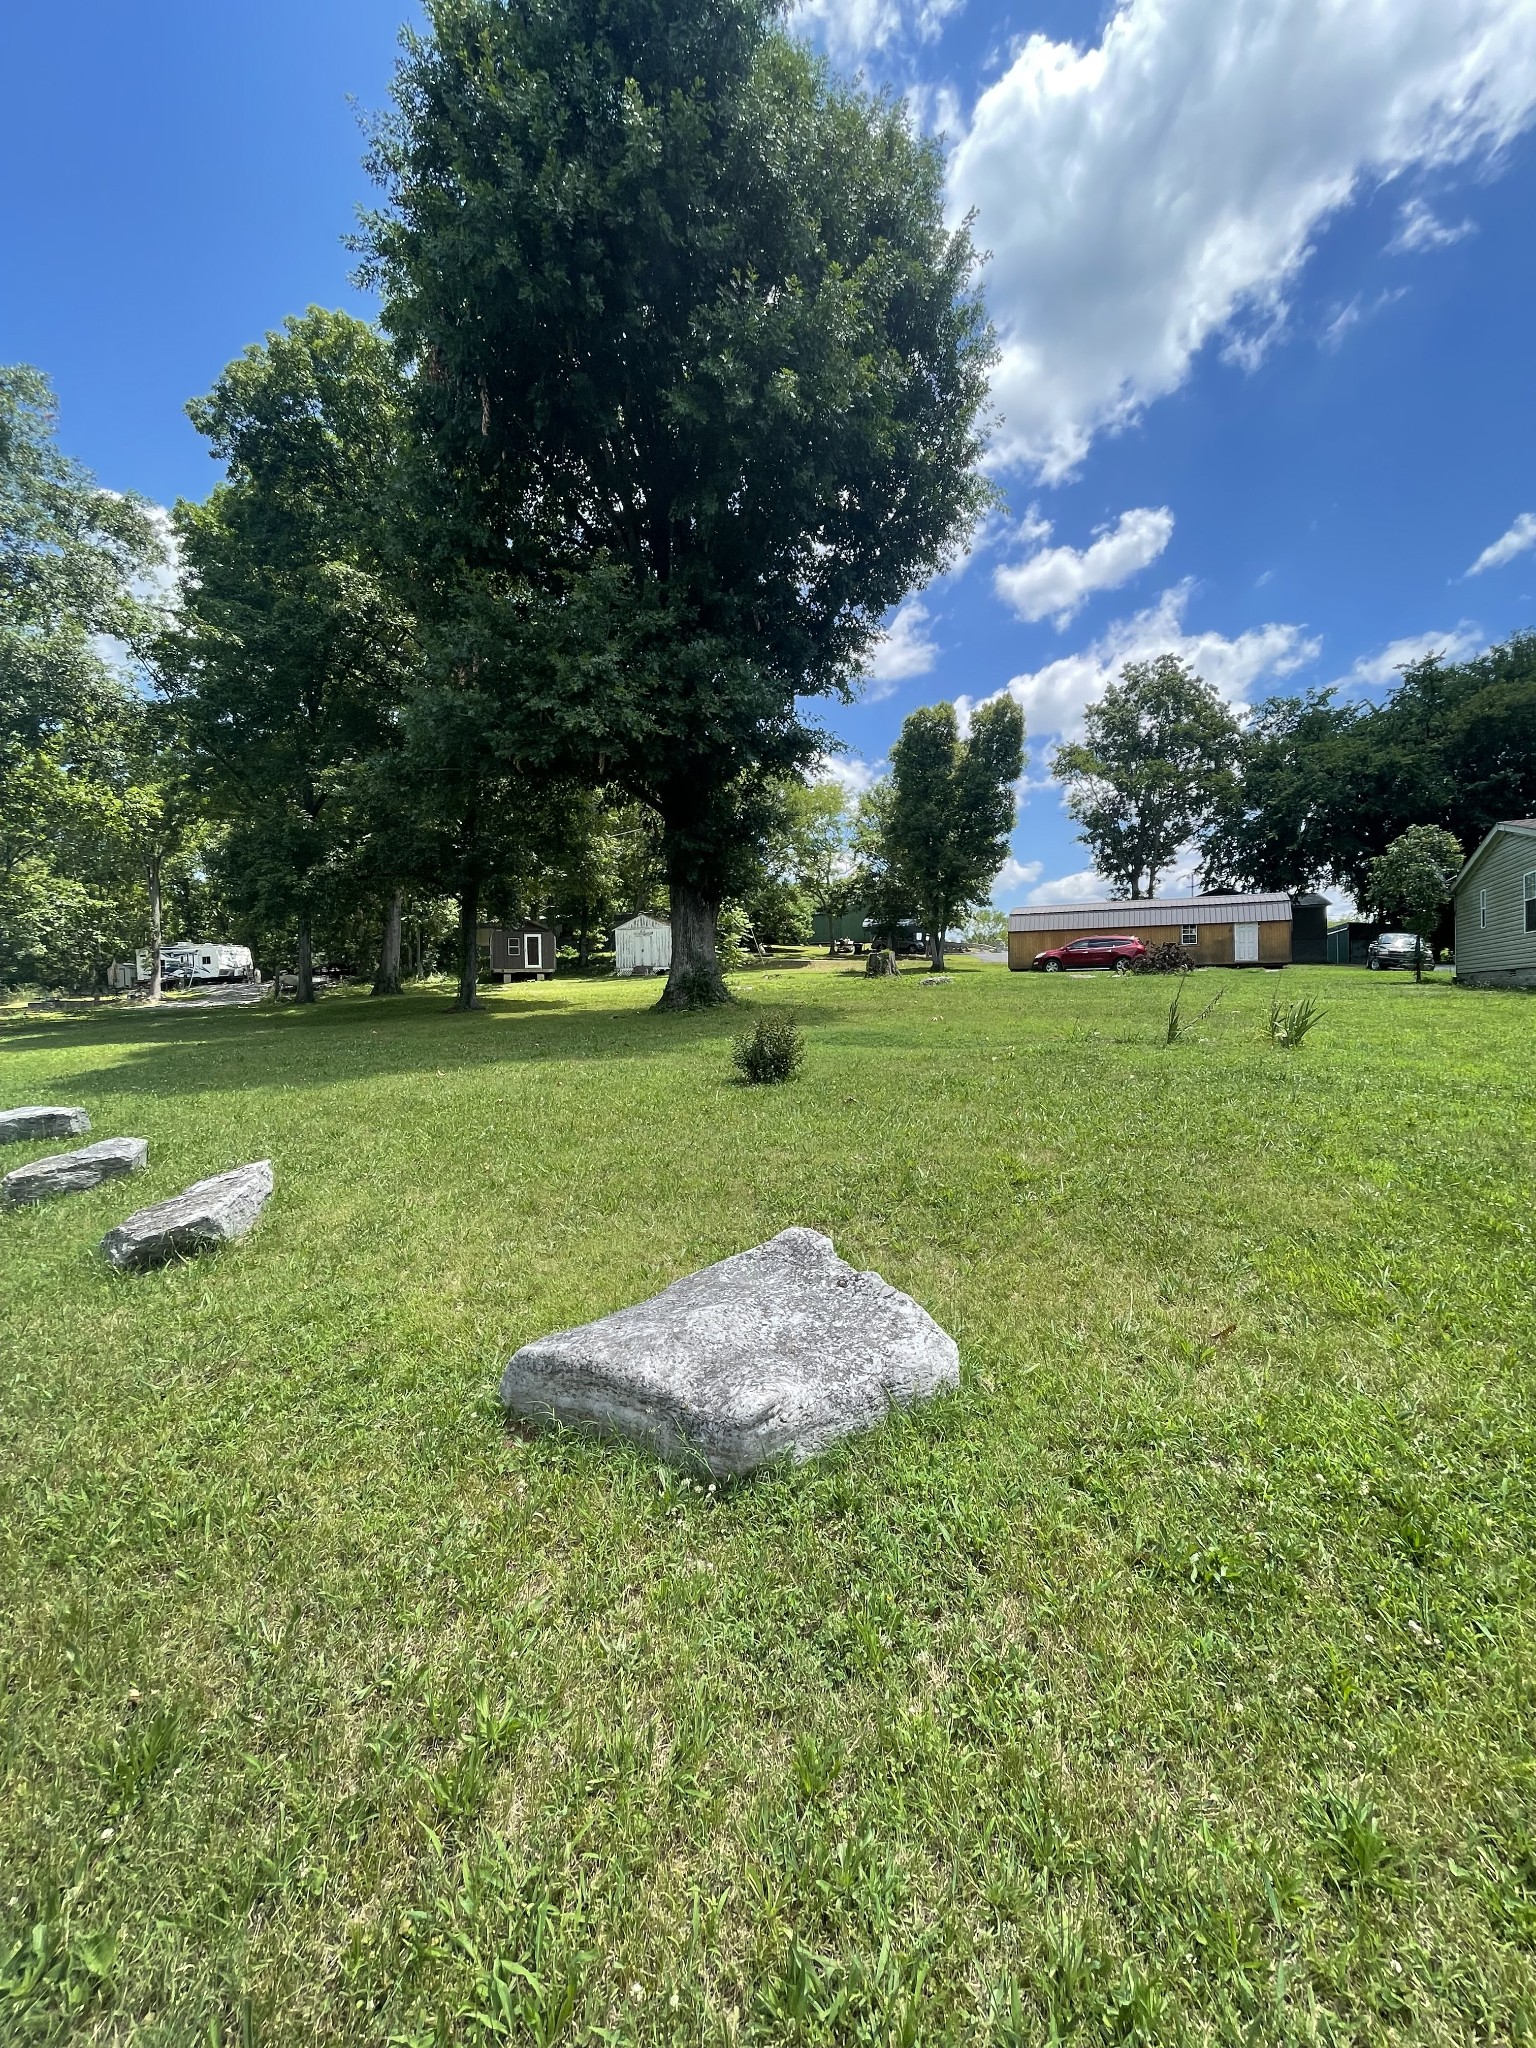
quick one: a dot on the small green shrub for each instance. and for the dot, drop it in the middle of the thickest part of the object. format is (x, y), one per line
(1289, 1023)
(1169, 959)
(772, 1050)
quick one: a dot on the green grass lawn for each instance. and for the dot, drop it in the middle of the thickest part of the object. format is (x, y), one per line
(1174, 1681)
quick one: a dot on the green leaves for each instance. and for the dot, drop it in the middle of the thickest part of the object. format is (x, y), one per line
(1155, 764)
(952, 807)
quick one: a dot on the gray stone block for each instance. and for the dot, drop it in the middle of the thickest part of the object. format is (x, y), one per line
(40, 1121)
(780, 1351)
(210, 1212)
(68, 1173)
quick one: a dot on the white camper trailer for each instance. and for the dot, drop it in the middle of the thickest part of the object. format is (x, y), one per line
(643, 945)
(205, 960)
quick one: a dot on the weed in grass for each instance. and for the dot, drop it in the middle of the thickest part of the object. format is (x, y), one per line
(771, 1050)
(1177, 1026)
(1289, 1022)
(1351, 1844)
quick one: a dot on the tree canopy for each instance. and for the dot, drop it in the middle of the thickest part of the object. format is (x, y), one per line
(292, 651)
(1155, 763)
(72, 560)
(1411, 882)
(699, 365)
(952, 808)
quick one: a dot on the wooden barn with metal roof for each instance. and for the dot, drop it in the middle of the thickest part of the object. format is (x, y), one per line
(1214, 931)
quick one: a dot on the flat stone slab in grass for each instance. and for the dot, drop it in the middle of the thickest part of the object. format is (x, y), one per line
(209, 1213)
(783, 1349)
(68, 1173)
(40, 1121)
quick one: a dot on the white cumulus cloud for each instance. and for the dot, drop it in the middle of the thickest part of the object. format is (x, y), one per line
(1014, 874)
(1519, 540)
(1163, 188)
(1382, 667)
(851, 29)
(1053, 698)
(902, 650)
(1084, 887)
(856, 776)
(1057, 582)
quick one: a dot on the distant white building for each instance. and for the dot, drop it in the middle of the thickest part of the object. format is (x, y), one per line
(206, 960)
(642, 945)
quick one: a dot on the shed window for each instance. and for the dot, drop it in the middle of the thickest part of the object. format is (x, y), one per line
(1530, 900)
(1189, 936)
(1482, 910)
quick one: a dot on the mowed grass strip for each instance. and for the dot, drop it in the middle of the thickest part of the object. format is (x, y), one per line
(1174, 1681)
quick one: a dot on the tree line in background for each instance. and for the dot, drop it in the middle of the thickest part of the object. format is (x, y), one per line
(1306, 791)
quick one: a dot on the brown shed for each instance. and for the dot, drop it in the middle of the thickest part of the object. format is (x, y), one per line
(1214, 931)
(517, 952)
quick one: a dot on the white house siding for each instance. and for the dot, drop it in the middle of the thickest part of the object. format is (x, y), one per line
(1502, 953)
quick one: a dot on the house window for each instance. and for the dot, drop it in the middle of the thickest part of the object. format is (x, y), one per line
(1482, 910)
(1530, 901)
(1189, 936)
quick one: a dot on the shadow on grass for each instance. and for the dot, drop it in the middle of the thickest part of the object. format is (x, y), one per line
(175, 1054)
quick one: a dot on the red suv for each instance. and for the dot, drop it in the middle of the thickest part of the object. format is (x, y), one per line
(1106, 949)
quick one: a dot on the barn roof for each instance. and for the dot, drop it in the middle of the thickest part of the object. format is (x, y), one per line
(1108, 913)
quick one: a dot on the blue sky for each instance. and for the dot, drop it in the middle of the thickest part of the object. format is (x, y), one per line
(1262, 270)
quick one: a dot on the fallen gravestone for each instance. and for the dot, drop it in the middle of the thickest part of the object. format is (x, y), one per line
(781, 1350)
(210, 1212)
(68, 1173)
(17, 1125)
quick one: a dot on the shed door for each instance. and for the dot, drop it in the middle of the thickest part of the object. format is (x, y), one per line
(1245, 943)
(532, 954)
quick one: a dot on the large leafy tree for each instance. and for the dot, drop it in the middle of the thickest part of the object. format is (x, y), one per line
(1324, 787)
(952, 808)
(699, 367)
(72, 560)
(1156, 762)
(292, 651)
(1274, 823)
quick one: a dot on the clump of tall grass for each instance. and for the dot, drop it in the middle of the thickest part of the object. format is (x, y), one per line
(1178, 1025)
(1289, 1023)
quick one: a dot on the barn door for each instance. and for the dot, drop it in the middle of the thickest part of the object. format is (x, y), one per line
(1245, 944)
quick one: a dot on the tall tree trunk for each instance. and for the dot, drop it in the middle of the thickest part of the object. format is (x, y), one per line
(387, 981)
(306, 990)
(695, 981)
(156, 926)
(936, 941)
(468, 997)
(584, 937)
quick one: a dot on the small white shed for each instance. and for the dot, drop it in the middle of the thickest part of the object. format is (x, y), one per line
(643, 945)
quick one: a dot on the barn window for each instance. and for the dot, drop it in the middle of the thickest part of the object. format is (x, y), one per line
(1530, 901)
(1482, 910)
(1189, 936)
